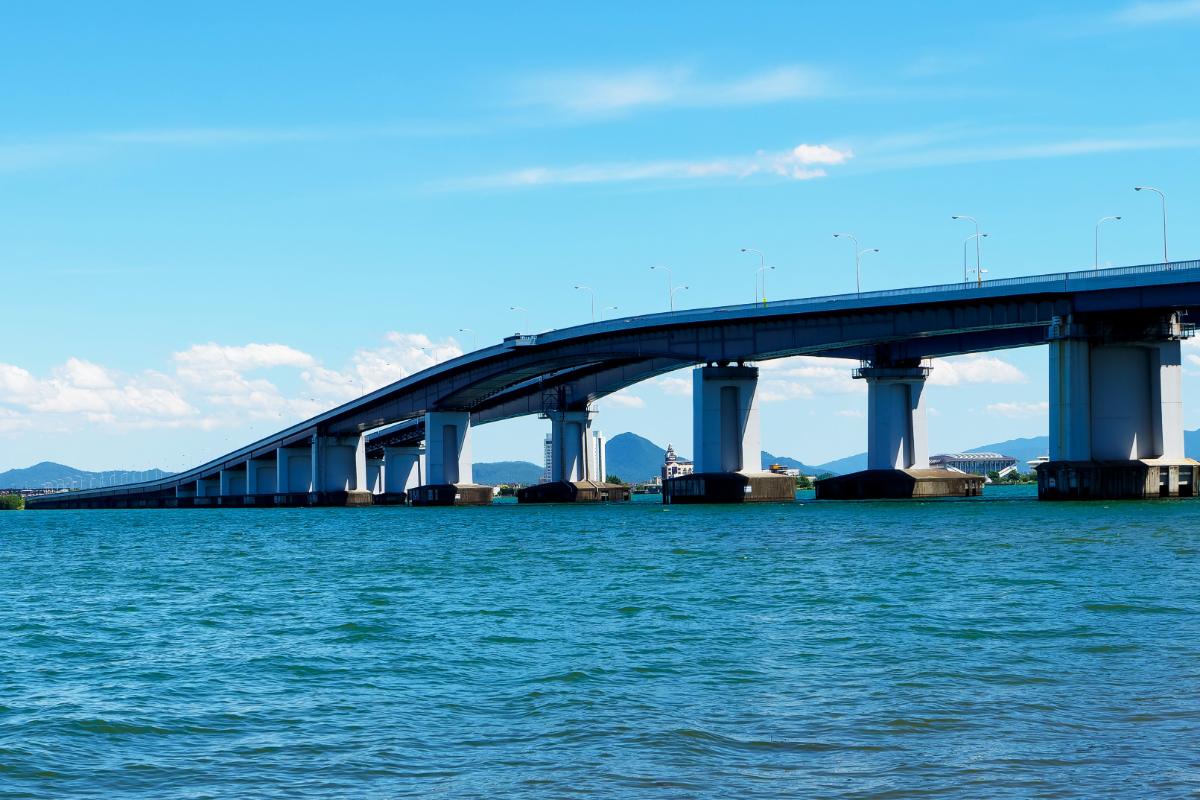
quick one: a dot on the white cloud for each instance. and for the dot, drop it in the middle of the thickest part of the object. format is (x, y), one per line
(1156, 13)
(974, 368)
(596, 94)
(85, 390)
(1019, 410)
(802, 162)
(819, 375)
(681, 387)
(953, 146)
(625, 399)
(11, 421)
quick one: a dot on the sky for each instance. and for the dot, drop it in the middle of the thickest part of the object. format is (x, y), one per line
(218, 219)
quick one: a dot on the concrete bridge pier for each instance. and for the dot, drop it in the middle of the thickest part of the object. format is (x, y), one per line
(261, 474)
(448, 462)
(576, 464)
(897, 442)
(339, 471)
(232, 483)
(725, 437)
(403, 471)
(208, 491)
(293, 475)
(1116, 412)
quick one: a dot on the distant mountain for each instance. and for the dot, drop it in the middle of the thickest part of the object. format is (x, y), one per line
(634, 458)
(844, 466)
(48, 473)
(791, 463)
(1023, 450)
(497, 472)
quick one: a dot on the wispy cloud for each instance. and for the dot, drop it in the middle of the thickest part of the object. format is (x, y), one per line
(802, 162)
(956, 145)
(1157, 13)
(588, 94)
(71, 148)
(1019, 410)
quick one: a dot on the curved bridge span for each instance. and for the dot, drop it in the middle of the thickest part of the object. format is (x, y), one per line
(564, 371)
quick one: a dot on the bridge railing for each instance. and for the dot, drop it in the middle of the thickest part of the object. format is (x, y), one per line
(1047, 280)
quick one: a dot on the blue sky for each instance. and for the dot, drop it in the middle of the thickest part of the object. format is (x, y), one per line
(220, 218)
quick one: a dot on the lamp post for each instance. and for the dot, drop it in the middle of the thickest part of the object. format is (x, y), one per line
(858, 254)
(763, 272)
(967, 241)
(762, 262)
(524, 312)
(674, 292)
(606, 308)
(978, 236)
(1101, 221)
(474, 339)
(591, 292)
(670, 286)
(1163, 197)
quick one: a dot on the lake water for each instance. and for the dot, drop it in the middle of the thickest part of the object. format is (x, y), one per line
(985, 648)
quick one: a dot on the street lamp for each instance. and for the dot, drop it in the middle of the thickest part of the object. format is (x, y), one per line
(967, 241)
(762, 261)
(589, 290)
(670, 286)
(1166, 261)
(474, 339)
(978, 236)
(606, 308)
(763, 272)
(674, 291)
(858, 254)
(1096, 259)
(524, 312)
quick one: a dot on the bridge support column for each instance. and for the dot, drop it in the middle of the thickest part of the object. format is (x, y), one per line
(576, 464)
(208, 491)
(340, 471)
(897, 436)
(261, 477)
(293, 475)
(1116, 416)
(448, 459)
(725, 437)
(897, 443)
(403, 471)
(375, 476)
(232, 483)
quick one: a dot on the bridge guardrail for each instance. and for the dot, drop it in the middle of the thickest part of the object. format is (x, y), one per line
(1064, 278)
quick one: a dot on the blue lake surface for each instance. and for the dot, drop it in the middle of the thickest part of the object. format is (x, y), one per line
(986, 648)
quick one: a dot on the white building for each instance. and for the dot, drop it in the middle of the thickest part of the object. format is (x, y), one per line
(598, 469)
(547, 456)
(974, 463)
(674, 466)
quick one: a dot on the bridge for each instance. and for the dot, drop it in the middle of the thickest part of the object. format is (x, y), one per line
(1115, 394)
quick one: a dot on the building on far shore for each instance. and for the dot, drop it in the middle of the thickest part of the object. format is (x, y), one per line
(596, 456)
(674, 466)
(974, 463)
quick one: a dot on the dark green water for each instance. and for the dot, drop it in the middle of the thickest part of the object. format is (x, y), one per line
(989, 648)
